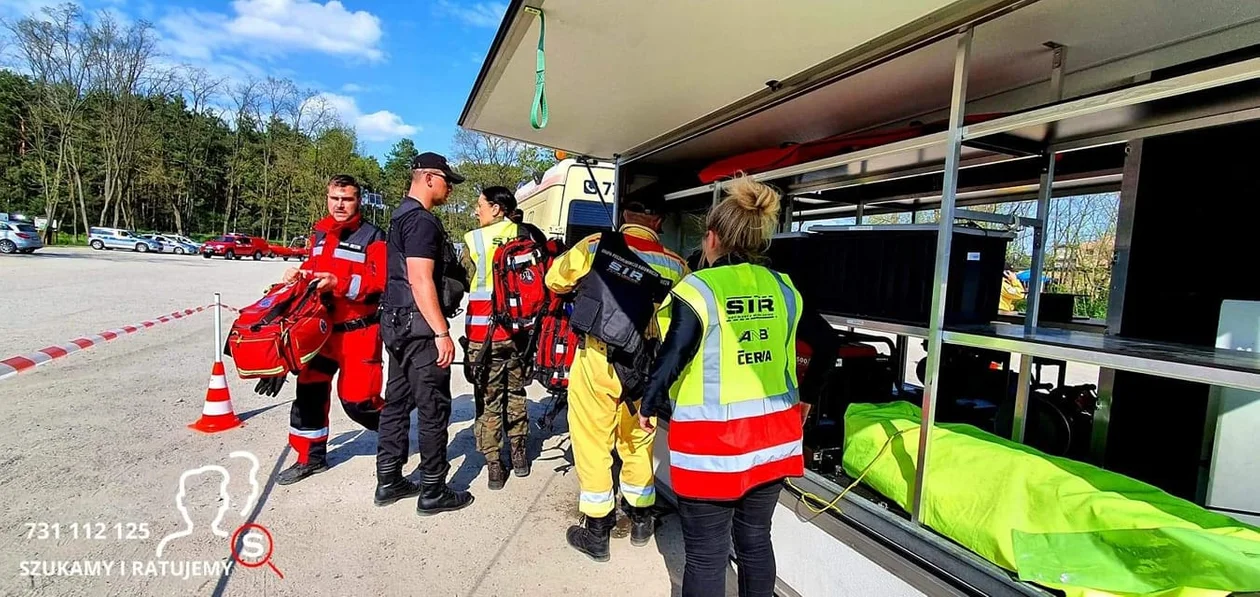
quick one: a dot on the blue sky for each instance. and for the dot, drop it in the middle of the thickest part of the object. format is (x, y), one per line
(391, 68)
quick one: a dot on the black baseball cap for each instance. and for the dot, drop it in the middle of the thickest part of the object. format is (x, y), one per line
(647, 200)
(433, 161)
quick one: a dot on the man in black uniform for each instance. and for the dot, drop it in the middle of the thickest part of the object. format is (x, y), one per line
(414, 310)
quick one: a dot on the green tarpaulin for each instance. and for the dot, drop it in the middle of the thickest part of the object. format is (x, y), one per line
(1057, 522)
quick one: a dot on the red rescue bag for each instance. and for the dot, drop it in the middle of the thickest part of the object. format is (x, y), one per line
(557, 345)
(280, 333)
(520, 290)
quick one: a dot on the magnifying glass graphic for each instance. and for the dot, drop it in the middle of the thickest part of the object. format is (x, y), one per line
(247, 543)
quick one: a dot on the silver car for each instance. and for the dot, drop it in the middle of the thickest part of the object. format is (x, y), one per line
(187, 241)
(117, 238)
(171, 244)
(19, 237)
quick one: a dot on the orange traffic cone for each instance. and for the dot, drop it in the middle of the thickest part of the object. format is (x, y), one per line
(217, 414)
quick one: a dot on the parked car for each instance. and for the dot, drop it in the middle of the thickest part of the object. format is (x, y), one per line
(172, 245)
(235, 246)
(295, 249)
(117, 238)
(19, 237)
(186, 240)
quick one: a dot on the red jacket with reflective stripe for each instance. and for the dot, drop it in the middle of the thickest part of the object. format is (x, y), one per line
(355, 253)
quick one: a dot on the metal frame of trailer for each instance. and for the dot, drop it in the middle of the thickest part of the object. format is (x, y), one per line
(1223, 91)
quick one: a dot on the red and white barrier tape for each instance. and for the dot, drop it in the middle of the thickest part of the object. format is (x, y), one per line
(21, 363)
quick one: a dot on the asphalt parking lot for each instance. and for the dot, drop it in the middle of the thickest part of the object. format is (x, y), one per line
(99, 440)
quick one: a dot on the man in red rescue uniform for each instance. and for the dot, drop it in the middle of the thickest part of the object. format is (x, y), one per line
(347, 257)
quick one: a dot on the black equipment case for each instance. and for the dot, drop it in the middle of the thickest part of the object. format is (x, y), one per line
(886, 272)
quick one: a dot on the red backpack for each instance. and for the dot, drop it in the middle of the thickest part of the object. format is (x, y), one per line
(280, 333)
(520, 291)
(555, 347)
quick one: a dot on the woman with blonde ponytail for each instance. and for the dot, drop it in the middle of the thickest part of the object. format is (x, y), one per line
(727, 371)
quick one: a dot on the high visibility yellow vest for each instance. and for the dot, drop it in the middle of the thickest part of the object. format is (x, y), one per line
(481, 245)
(735, 423)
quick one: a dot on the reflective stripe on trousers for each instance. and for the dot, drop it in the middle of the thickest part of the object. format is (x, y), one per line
(597, 498)
(637, 496)
(309, 434)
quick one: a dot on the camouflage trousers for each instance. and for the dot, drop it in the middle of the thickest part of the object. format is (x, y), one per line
(500, 396)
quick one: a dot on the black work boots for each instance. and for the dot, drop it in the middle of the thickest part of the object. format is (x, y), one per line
(436, 498)
(392, 491)
(520, 456)
(389, 493)
(391, 485)
(642, 524)
(592, 539)
(300, 471)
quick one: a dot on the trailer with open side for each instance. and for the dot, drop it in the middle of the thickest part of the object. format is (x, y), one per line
(1153, 99)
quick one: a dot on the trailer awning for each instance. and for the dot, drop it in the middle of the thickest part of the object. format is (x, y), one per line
(667, 77)
(621, 75)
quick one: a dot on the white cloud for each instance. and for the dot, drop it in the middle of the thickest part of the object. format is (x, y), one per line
(353, 88)
(306, 25)
(477, 14)
(382, 125)
(275, 27)
(193, 33)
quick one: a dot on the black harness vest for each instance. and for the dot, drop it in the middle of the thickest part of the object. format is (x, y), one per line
(616, 301)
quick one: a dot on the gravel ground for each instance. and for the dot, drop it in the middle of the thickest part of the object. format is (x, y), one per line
(100, 438)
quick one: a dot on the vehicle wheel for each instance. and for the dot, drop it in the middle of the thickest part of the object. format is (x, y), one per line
(257, 255)
(230, 255)
(141, 247)
(179, 250)
(97, 245)
(207, 255)
(271, 255)
(7, 247)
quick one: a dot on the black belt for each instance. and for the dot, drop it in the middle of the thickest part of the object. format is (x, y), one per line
(357, 324)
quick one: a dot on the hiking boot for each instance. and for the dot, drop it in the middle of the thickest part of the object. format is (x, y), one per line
(520, 456)
(642, 524)
(592, 539)
(300, 471)
(388, 493)
(437, 498)
(498, 474)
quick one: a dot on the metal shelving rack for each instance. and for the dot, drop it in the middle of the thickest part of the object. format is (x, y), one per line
(1206, 365)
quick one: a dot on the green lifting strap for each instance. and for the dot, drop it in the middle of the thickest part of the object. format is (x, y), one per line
(538, 114)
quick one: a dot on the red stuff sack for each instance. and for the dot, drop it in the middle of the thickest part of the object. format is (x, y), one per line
(280, 333)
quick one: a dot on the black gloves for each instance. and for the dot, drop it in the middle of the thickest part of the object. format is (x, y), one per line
(270, 386)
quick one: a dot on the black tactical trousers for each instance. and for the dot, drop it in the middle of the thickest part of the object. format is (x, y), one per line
(415, 381)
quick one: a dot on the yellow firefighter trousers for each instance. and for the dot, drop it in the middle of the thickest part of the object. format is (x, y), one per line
(598, 422)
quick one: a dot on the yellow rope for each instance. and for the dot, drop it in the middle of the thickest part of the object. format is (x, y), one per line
(807, 497)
